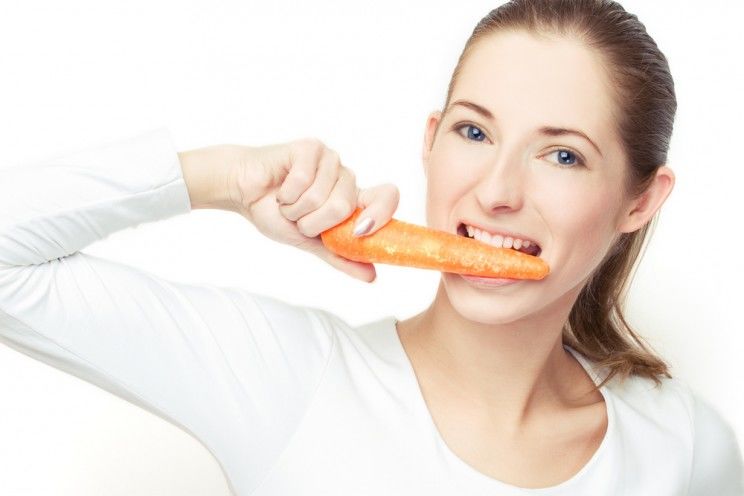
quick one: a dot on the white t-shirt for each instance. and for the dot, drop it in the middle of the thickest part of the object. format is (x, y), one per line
(290, 400)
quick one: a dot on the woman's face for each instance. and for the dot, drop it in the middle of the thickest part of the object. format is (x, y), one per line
(501, 173)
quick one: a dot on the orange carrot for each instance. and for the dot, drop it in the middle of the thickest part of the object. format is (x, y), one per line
(401, 243)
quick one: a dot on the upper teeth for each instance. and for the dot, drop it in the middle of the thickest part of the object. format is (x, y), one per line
(497, 239)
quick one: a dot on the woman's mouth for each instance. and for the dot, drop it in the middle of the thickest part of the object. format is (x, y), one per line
(525, 246)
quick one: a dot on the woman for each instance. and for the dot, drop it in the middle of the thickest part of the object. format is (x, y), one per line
(498, 387)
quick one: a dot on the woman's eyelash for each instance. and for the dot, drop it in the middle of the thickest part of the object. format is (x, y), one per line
(479, 133)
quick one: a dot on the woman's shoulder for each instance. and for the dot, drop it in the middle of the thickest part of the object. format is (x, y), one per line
(662, 400)
(670, 400)
(674, 412)
(717, 460)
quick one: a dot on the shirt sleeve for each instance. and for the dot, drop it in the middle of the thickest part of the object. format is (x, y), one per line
(717, 462)
(234, 369)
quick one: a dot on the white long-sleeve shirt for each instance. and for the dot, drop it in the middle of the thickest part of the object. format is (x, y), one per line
(290, 400)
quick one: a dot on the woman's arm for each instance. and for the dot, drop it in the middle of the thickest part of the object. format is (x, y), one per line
(220, 363)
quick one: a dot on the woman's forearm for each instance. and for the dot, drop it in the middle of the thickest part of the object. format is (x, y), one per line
(56, 207)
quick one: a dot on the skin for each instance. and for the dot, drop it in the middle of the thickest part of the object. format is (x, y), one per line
(504, 394)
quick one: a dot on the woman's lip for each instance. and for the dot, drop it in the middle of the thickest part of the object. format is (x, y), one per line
(488, 281)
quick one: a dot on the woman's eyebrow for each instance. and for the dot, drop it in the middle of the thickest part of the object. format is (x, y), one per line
(545, 130)
(473, 106)
(559, 131)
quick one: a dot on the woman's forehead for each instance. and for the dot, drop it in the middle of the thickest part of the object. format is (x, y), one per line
(528, 81)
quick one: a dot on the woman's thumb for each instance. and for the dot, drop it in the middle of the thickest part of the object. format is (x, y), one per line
(359, 270)
(378, 205)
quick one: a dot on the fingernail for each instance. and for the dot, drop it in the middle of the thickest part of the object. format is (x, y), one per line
(363, 226)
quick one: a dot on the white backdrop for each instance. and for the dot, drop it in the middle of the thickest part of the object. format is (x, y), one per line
(362, 77)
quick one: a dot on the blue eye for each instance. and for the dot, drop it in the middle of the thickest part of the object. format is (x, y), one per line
(567, 158)
(473, 132)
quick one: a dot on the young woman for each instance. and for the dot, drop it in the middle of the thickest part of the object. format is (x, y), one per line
(553, 139)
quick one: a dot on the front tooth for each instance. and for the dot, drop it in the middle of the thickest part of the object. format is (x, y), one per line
(484, 236)
(497, 239)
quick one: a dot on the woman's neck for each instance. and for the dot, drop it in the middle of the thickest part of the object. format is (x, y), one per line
(512, 371)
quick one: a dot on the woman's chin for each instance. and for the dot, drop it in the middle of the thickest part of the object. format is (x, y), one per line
(478, 301)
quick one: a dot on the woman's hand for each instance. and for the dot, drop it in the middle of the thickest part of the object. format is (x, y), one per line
(294, 191)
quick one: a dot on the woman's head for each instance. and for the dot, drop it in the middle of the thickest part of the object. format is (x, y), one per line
(503, 156)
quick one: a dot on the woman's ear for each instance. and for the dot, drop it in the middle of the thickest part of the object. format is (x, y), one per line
(432, 124)
(640, 210)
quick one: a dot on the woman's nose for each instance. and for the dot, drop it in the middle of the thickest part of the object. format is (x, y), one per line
(501, 188)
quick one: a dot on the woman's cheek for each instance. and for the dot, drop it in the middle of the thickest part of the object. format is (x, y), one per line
(584, 225)
(450, 175)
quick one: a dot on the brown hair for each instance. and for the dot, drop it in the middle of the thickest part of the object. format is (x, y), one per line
(645, 105)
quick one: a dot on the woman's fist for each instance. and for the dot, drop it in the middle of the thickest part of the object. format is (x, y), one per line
(292, 192)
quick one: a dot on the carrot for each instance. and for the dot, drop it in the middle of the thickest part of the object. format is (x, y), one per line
(401, 243)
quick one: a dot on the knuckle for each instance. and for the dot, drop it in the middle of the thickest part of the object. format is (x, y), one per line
(300, 176)
(350, 173)
(306, 145)
(340, 208)
(333, 157)
(314, 200)
(296, 147)
(313, 144)
(288, 213)
(302, 226)
(305, 226)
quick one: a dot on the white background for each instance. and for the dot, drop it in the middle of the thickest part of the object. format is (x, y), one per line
(362, 77)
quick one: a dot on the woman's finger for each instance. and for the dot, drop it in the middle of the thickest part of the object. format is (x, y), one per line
(317, 194)
(359, 270)
(378, 205)
(338, 207)
(303, 164)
